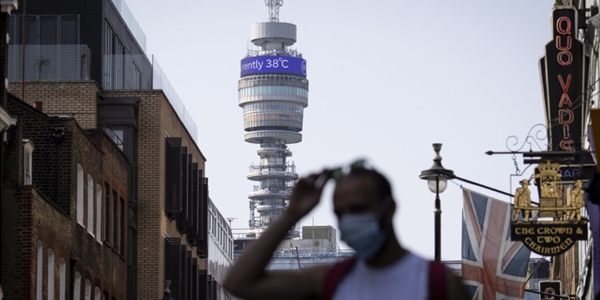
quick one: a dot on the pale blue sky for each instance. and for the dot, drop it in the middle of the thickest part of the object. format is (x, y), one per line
(387, 79)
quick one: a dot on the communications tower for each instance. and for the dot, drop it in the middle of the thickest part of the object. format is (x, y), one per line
(273, 92)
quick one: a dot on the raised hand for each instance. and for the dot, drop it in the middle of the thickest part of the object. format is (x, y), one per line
(307, 193)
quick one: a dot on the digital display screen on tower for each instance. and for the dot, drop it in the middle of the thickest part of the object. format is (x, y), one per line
(273, 64)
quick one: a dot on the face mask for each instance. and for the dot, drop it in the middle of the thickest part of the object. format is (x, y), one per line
(363, 233)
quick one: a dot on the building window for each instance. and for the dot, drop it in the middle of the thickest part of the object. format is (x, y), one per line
(77, 287)
(116, 135)
(98, 213)
(119, 54)
(53, 53)
(88, 290)
(113, 60)
(80, 194)
(97, 294)
(27, 161)
(40, 270)
(137, 78)
(107, 213)
(63, 280)
(90, 204)
(122, 227)
(107, 71)
(115, 221)
(50, 274)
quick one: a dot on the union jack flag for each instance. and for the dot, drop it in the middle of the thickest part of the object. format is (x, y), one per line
(493, 266)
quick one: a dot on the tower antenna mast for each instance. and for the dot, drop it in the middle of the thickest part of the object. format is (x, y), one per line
(274, 6)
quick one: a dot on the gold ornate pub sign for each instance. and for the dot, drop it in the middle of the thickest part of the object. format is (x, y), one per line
(552, 227)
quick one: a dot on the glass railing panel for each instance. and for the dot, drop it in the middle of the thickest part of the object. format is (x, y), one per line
(49, 62)
(160, 81)
(131, 22)
(119, 72)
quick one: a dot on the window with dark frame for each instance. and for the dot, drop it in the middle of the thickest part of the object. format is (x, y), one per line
(122, 228)
(115, 221)
(107, 214)
(26, 167)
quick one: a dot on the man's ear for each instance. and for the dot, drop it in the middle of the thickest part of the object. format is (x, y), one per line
(392, 208)
(388, 216)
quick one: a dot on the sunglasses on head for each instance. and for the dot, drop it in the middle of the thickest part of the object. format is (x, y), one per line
(340, 172)
(361, 164)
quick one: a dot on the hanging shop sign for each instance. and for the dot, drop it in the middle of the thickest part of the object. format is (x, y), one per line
(549, 239)
(577, 172)
(550, 289)
(552, 227)
(563, 82)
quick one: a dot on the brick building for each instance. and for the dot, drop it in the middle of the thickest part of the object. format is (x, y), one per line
(85, 62)
(59, 182)
(6, 119)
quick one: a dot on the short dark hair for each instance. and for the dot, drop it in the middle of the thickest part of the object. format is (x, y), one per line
(383, 188)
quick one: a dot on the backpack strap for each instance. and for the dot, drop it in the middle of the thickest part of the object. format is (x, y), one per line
(437, 281)
(335, 275)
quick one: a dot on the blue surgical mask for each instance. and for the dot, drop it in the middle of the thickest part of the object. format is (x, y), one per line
(363, 233)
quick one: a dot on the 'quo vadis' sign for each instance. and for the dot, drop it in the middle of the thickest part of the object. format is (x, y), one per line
(563, 81)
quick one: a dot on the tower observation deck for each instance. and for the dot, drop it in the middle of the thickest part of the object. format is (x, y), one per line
(273, 92)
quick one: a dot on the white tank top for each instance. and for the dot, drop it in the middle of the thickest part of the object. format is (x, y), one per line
(408, 278)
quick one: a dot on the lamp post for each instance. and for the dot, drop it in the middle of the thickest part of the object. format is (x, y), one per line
(167, 291)
(437, 180)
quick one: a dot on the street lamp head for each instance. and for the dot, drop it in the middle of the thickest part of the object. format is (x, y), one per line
(439, 186)
(437, 176)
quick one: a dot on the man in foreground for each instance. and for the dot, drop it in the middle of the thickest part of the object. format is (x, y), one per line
(382, 269)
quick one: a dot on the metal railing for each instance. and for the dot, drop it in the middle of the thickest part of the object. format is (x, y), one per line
(258, 191)
(287, 52)
(273, 173)
(268, 149)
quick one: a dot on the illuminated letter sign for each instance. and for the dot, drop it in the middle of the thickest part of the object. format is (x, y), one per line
(563, 79)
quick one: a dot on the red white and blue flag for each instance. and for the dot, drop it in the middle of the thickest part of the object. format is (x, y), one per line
(493, 266)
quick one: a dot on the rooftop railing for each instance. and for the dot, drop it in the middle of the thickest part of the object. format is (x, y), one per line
(119, 72)
(160, 81)
(49, 62)
(286, 52)
(131, 22)
(289, 167)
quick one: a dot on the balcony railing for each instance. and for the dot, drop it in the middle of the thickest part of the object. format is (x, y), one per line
(119, 72)
(289, 167)
(131, 22)
(266, 193)
(273, 173)
(49, 62)
(161, 81)
(267, 149)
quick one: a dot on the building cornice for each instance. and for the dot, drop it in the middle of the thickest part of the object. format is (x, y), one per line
(6, 120)
(9, 5)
